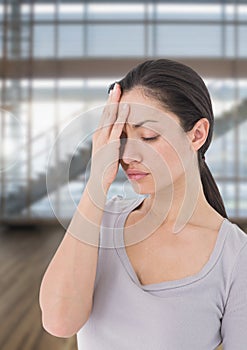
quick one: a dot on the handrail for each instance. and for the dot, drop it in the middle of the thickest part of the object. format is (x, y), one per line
(33, 139)
(41, 135)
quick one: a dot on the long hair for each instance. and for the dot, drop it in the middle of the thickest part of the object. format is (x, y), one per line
(181, 91)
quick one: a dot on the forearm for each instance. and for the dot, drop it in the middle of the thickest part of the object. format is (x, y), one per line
(66, 290)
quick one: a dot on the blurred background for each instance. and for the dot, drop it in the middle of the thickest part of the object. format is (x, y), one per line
(57, 59)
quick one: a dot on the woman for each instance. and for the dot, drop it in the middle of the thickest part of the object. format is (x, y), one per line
(176, 274)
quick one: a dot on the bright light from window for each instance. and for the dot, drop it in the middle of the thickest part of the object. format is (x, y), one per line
(242, 9)
(71, 8)
(44, 9)
(189, 8)
(102, 83)
(69, 109)
(71, 83)
(43, 83)
(242, 82)
(25, 9)
(119, 8)
(230, 83)
(24, 83)
(8, 83)
(8, 9)
(230, 9)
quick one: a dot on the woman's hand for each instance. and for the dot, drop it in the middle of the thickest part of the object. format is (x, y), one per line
(106, 141)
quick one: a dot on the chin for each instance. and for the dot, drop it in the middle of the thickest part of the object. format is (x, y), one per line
(151, 189)
(144, 189)
(143, 192)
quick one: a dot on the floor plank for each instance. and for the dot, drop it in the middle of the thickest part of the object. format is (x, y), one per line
(24, 256)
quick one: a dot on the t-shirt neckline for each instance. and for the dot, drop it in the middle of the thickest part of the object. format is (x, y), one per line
(119, 246)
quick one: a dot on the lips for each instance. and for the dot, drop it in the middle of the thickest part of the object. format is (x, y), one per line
(134, 174)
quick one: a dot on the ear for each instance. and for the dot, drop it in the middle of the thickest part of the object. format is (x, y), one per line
(199, 133)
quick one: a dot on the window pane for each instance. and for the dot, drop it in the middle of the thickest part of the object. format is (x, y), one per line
(242, 12)
(70, 11)
(243, 40)
(70, 41)
(189, 40)
(223, 92)
(25, 41)
(115, 11)
(43, 41)
(243, 200)
(242, 116)
(1, 40)
(13, 41)
(221, 153)
(45, 112)
(110, 40)
(229, 12)
(189, 11)
(1, 12)
(70, 93)
(25, 12)
(230, 40)
(43, 90)
(43, 11)
(243, 148)
(228, 192)
(150, 32)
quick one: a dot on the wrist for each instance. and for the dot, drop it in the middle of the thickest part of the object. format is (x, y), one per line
(96, 190)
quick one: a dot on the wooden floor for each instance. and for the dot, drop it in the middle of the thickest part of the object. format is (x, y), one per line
(24, 256)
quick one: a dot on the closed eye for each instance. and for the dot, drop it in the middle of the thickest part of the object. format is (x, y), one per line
(146, 139)
(149, 138)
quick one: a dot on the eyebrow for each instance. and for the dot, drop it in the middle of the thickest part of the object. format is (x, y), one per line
(145, 121)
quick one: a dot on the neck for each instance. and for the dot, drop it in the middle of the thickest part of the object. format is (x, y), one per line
(179, 204)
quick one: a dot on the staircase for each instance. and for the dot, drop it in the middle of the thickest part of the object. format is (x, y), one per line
(226, 121)
(72, 167)
(57, 177)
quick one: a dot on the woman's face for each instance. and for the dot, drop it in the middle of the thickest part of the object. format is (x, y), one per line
(154, 143)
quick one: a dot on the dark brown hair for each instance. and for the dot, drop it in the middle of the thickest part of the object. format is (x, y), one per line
(181, 91)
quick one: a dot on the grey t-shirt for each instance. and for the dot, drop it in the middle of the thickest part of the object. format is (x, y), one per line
(193, 313)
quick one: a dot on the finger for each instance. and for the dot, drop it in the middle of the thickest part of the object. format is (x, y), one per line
(109, 114)
(111, 87)
(115, 93)
(117, 128)
(109, 117)
(113, 99)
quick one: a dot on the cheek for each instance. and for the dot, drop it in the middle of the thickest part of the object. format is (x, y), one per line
(166, 153)
(172, 163)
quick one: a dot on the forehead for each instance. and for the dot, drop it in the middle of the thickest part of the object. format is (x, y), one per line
(145, 116)
(141, 112)
(136, 96)
(141, 107)
(146, 108)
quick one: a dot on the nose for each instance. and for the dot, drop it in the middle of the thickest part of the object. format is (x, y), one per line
(129, 151)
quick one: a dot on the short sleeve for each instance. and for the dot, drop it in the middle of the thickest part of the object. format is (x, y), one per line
(234, 321)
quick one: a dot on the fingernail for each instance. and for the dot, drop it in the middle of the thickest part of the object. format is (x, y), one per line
(115, 87)
(125, 106)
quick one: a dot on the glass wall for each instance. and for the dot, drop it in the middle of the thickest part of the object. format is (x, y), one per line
(101, 29)
(38, 100)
